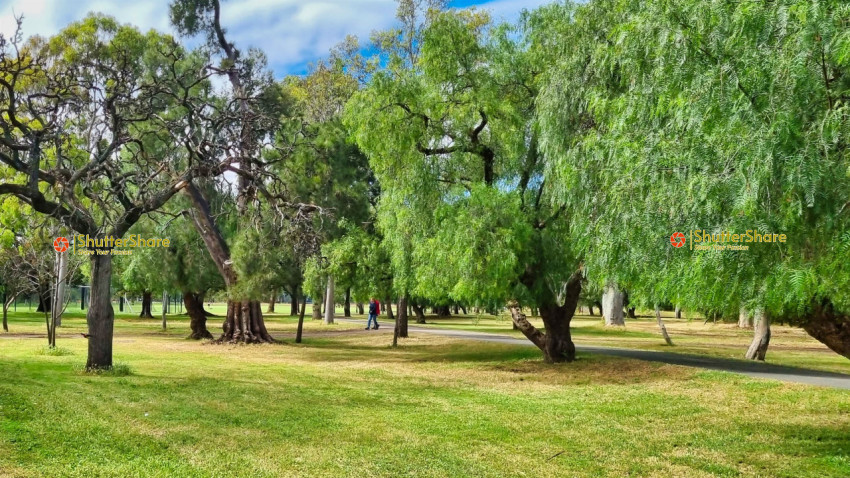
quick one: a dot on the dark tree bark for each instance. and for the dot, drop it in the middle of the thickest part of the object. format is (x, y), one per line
(556, 344)
(293, 305)
(829, 328)
(401, 327)
(630, 313)
(197, 318)
(6, 302)
(420, 313)
(678, 312)
(360, 310)
(455, 310)
(121, 303)
(463, 309)
(761, 336)
(389, 305)
(590, 307)
(346, 308)
(100, 316)
(298, 332)
(443, 311)
(272, 300)
(44, 300)
(147, 299)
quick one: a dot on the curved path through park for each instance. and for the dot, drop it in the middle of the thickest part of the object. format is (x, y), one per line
(745, 367)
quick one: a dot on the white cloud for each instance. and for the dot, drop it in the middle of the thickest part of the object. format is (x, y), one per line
(291, 32)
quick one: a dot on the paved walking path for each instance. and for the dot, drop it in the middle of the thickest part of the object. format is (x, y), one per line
(745, 367)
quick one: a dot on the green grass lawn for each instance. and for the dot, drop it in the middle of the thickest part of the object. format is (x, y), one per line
(788, 345)
(346, 404)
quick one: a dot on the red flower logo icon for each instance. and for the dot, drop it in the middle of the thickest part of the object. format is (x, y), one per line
(60, 244)
(677, 239)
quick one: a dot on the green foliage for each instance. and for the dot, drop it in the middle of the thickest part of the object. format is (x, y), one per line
(725, 116)
(465, 210)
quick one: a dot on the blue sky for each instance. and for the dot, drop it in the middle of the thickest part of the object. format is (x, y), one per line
(293, 33)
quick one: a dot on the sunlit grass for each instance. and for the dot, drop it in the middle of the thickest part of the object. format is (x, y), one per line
(350, 405)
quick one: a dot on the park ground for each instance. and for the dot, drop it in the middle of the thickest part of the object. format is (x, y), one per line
(344, 403)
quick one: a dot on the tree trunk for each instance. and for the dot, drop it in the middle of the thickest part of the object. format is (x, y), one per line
(745, 320)
(164, 310)
(147, 299)
(360, 308)
(121, 303)
(455, 310)
(346, 308)
(829, 328)
(300, 329)
(401, 322)
(612, 306)
(590, 308)
(60, 292)
(630, 313)
(463, 309)
(293, 305)
(244, 321)
(197, 318)
(44, 300)
(556, 344)
(661, 326)
(443, 311)
(389, 305)
(6, 302)
(420, 313)
(329, 302)
(100, 316)
(761, 335)
(678, 312)
(317, 310)
(270, 308)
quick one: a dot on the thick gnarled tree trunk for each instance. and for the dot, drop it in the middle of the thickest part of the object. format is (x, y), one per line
(829, 328)
(556, 344)
(197, 316)
(244, 320)
(244, 323)
(100, 316)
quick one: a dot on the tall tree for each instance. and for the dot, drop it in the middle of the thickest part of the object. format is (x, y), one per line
(78, 111)
(712, 117)
(453, 141)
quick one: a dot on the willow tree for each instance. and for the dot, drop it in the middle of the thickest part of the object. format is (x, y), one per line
(715, 116)
(78, 110)
(453, 141)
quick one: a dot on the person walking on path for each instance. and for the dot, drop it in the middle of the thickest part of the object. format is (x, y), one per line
(374, 310)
